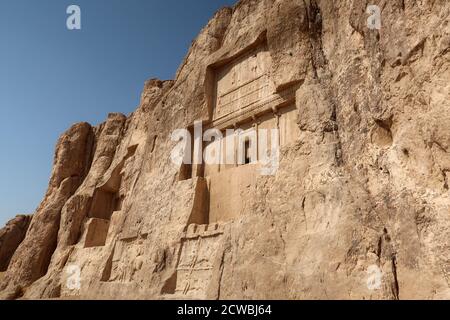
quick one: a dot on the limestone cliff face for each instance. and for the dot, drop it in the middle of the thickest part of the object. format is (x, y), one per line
(362, 188)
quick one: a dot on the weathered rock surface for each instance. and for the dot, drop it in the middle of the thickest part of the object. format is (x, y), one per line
(11, 236)
(362, 189)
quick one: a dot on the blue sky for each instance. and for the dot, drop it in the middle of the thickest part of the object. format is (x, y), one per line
(51, 77)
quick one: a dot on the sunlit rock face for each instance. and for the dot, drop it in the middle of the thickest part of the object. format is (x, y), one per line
(11, 236)
(356, 208)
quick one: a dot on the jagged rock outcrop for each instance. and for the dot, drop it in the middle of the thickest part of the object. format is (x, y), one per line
(361, 190)
(71, 164)
(11, 236)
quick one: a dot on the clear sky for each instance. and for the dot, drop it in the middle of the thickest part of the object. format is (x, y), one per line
(51, 77)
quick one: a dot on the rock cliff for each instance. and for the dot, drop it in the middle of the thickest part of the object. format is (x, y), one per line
(358, 207)
(11, 236)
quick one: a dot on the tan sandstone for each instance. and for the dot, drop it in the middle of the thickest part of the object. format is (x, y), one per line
(362, 184)
(11, 236)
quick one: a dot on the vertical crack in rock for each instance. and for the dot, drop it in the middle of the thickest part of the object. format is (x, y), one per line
(396, 288)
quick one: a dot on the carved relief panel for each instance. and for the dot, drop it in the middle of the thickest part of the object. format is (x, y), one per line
(243, 82)
(196, 267)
